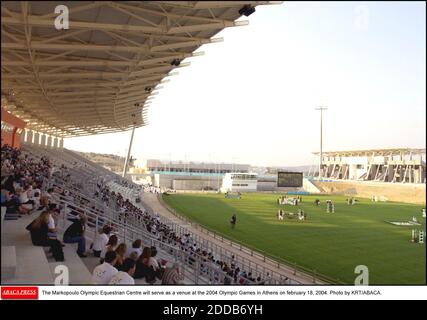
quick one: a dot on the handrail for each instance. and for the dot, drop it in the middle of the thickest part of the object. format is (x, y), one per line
(126, 228)
(129, 232)
(225, 254)
(253, 251)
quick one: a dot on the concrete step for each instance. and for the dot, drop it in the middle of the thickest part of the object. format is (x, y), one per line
(78, 272)
(14, 233)
(8, 265)
(3, 213)
(91, 262)
(31, 267)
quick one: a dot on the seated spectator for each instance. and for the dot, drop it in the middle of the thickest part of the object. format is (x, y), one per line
(101, 241)
(75, 234)
(142, 268)
(121, 255)
(172, 275)
(27, 205)
(136, 247)
(47, 197)
(134, 256)
(103, 273)
(111, 246)
(19, 196)
(36, 198)
(53, 219)
(154, 264)
(39, 230)
(10, 201)
(39, 236)
(124, 277)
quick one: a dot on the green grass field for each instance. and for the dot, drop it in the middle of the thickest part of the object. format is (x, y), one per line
(332, 244)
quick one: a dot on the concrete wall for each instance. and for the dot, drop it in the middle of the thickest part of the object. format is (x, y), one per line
(409, 193)
(180, 182)
(267, 186)
(186, 184)
(309, 186)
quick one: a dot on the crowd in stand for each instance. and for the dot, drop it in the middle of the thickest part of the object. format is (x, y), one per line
(121, 265)
(24, 179)
(231, 272)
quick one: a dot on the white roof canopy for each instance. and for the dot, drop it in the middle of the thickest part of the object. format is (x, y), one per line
(99, 75)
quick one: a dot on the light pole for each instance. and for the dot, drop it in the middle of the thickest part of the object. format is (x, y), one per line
(128, 154)
(209, 174)
(321, 138)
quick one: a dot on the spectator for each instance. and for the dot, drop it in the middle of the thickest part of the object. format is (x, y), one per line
(103, 273)
(121, 255)
(152, 261)
(124, 277)
(101, 241)
(154, 264)
(142, 268)
(172, 275)
(39, 236)
(134, 256)
(39, 229)
(111, 246)
(75, 234)
(136, 247)
(27, 205)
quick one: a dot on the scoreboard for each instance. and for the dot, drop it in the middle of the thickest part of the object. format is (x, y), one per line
(289, 179)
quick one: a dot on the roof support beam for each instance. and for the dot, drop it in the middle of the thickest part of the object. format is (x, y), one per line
(91, 47)
(97, 63)
(40, 22)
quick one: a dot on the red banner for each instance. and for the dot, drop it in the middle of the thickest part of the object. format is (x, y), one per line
(19, 292)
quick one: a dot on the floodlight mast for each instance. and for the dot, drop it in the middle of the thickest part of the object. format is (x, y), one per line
(128, 154)
(321, 108)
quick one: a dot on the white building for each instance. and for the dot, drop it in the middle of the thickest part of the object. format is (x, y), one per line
(385, 165)
(239, 181)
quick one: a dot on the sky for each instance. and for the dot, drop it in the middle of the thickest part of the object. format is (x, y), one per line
(252, 98)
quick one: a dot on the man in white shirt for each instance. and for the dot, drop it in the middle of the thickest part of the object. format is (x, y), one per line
(103, 273)
(101, 241)
(124, 277)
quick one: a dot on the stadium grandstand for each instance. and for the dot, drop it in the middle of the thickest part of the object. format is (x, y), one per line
(397, 174)
(97, 74)
(385, 165)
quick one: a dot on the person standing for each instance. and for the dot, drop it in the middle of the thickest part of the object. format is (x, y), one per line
(233, 221)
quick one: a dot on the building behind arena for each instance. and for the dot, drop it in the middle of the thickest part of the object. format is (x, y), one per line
(393, 174)
(384, 165)
(185, 175)
(206, 176)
